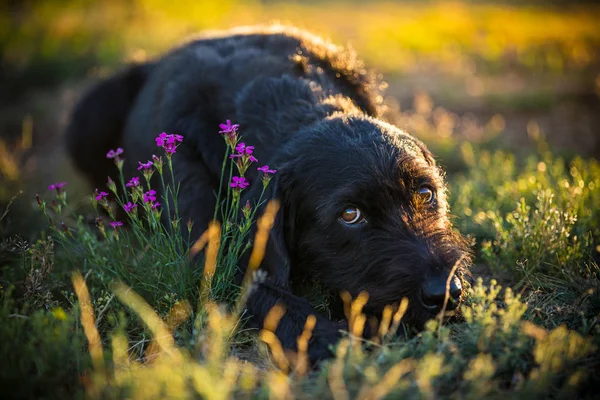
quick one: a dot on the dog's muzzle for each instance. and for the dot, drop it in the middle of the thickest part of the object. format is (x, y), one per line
(433, 293)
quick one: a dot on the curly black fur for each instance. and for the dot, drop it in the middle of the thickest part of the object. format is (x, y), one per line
(313, 112)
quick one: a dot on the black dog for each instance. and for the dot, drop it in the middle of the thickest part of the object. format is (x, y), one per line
(363, 204)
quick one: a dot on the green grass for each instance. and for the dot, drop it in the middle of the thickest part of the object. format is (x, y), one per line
(534, 224)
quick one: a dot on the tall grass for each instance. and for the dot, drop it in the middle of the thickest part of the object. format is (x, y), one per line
(143, 319)
(534, 215)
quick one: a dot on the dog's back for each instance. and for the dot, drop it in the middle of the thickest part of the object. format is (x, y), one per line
(195, 87)
(270, 80)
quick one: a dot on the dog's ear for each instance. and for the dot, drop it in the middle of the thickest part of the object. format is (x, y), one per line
(426, 153)
(276, 260)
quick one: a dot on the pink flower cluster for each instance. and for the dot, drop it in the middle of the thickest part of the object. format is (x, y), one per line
(57, 186)
(147, 166)
(133, 182)
(168, 142)
(129, 207)
(265, 170)
(150, 198)
(239, 182)
(244, 152)
(100, 195)
(243, 156)
(229, 132)
(228, 128)
(114, 153)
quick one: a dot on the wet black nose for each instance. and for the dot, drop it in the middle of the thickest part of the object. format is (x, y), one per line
(433, 292)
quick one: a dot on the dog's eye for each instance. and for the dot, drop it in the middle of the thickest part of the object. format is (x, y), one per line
(352, 216)
(426, 194)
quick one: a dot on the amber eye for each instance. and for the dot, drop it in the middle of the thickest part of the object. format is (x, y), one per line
(352, 216)
(426, 194)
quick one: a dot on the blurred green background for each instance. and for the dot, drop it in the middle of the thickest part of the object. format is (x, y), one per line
(466, 70)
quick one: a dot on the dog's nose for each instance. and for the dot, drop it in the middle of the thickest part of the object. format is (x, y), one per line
(433, 293)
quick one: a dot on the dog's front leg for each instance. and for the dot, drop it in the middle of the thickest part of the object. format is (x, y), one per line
(325, 333)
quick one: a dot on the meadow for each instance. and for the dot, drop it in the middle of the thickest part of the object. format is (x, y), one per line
(505, 95)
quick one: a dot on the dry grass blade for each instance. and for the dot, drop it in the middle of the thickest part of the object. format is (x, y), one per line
(199, 244)
(267, 334)
(302, 360)
(276, 349)
(447, 292)
(265, 223)
(87, 320)
(398, 315)
(210, 264)
(177, 315)
(335, 378)
(159, 329)
(389, 380)
(386, 320)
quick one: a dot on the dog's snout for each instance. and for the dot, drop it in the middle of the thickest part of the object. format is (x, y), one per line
(433, 293)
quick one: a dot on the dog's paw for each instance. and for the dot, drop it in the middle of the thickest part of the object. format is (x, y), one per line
(324, 340)
(322, 348)
(259, 276)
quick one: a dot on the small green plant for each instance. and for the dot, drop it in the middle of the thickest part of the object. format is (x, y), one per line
(152, 256)
(553, 228)
(41, 349)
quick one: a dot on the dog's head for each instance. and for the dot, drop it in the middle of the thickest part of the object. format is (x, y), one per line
(363, 208)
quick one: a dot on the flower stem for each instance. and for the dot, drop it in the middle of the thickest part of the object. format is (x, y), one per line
(218, 205)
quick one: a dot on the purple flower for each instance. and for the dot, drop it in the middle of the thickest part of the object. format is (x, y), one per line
(267, 174)
(114, 153)
(243, 149)
(57, 186)
(150, 196)
(155, 205)
(133, 182)
(244, 153)
(168, 142)
(100, 195)
(239, 155)
(145, 166)
(161, 139)
(239, 182)
(129, 207)
(228, 127)
(174, 139)
(114, 224)
(265, 170)
(170, 149)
